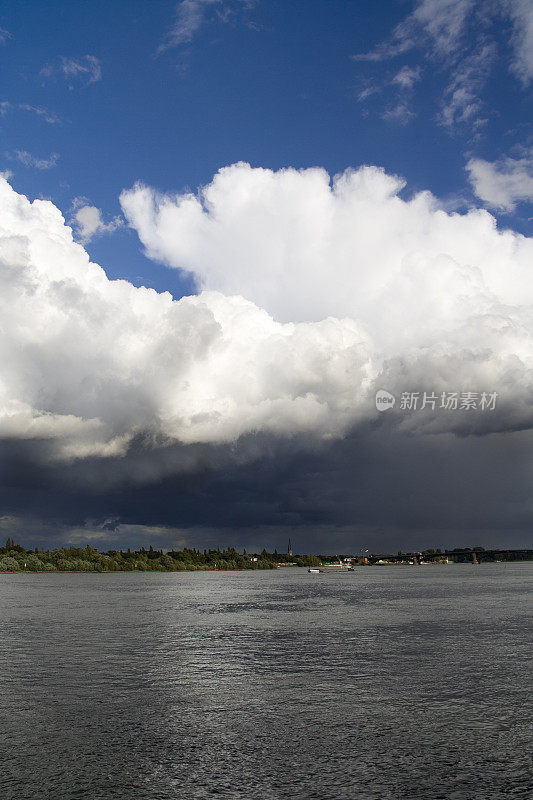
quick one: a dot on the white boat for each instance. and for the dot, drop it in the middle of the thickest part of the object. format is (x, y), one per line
(338, 567)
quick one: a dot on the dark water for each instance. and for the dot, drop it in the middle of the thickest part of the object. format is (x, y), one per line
(392, 682)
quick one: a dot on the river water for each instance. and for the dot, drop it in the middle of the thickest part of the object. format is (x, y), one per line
(388, 682)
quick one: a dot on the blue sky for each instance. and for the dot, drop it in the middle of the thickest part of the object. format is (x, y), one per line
(272, 83)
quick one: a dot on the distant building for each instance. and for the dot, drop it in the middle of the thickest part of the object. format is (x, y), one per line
(289, 549)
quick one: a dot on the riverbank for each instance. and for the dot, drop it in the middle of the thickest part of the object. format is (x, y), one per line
(16, 559)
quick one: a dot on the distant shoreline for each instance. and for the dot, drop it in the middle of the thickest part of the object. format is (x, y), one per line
(15, 559)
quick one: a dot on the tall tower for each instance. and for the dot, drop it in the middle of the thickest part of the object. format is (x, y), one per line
(289, 549)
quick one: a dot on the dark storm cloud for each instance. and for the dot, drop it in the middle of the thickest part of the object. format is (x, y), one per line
(376, 489)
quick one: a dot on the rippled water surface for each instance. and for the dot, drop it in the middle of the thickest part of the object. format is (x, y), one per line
(391, 682)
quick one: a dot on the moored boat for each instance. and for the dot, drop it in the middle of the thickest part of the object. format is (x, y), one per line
(340, 567)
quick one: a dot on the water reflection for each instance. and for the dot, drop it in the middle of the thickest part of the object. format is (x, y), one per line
(384, 683)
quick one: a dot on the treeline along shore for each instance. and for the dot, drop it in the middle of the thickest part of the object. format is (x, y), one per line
(15, 558)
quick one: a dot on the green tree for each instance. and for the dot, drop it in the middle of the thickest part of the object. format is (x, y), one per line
(34, 563)
(9, 564)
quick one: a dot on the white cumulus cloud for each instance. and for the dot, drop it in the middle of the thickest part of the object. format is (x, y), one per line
(314, 294)
(504, 183)
(88, 222)
(90, 363)
(444, 298)
(305, 247)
